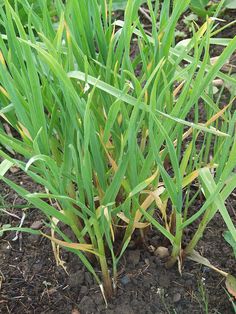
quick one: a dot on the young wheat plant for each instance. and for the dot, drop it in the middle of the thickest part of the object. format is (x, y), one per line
(115, 137)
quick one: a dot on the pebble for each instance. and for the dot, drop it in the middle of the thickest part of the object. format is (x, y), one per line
(83, 290)
(162, 252)
(125, 280)
(133, 257)
(176, 297)
(5, 248)
(36, 225)
(206, 269)
(151, 248)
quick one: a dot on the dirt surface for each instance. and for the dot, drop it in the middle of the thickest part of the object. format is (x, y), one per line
(32, 283)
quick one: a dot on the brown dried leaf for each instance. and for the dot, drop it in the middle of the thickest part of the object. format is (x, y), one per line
(196, 257)
(76, 246)
(136, 224)
(231, 285)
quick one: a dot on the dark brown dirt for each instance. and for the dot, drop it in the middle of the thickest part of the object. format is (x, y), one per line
(32, 283)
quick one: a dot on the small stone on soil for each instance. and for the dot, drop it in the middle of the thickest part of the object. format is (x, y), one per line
(5, 248)
(206, 269)
(133, 257)
(162, 252)
(83, 290)
(176, 297)
(125, 280)
(36, 225)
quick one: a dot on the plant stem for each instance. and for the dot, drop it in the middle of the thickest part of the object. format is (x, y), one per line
(199, 233)
(107, 284)
(177, 242)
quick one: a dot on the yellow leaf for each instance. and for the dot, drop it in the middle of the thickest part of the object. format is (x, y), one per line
(4, 92)
(112, 161)
(106, 214)
(76, 246)
(120, 118)
(219, 114)
(204, 27)
(190, 178)
(136, 225)
(178, 88)
(24, 132)
(68, 34)
(145, 183)
(2, 59)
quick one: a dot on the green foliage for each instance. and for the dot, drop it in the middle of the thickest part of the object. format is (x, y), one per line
(121, 4)
(197, 6)
(113, 138)
(201, 9)
(4, 227)
(230, 239)
(22, 7)
(230, 4)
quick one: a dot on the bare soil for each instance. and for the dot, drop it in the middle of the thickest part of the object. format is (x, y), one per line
(32, 283)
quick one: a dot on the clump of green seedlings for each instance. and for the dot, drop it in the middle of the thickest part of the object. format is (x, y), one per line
(109, 135)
